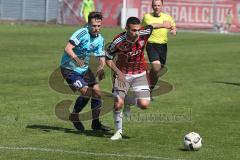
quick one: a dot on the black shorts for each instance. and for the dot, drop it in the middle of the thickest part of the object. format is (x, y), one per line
(157, 52)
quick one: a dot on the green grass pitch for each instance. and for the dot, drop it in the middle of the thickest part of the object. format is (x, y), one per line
(202, 68)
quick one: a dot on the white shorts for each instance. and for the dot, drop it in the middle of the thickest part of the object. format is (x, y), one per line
(138, 84)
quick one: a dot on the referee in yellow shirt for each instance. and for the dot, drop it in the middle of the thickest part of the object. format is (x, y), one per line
(157, 43)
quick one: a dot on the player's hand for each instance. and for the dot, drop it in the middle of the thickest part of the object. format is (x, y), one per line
(80, 62)
(167, 24)
(173, 32)
(100, 74)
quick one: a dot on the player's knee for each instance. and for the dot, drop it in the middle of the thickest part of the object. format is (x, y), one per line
(143, 107)
(157, 70)
(156, 67)
(144, 104)
(118, 104)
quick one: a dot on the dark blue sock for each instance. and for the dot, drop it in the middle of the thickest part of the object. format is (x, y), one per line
(95, 106)
(80, 103)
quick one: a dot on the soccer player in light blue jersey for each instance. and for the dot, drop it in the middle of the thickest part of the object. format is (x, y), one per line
(76, 70)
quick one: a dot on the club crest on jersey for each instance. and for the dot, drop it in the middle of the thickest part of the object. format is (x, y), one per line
(125, 46)
(91, 46)
(84, 42)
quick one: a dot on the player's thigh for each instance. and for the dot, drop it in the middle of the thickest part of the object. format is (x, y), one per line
(75, 80)
(120, 90)
(90, 78)
(96, 91)
(141, 88)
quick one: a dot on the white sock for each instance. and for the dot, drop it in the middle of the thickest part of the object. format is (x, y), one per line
(117, 116)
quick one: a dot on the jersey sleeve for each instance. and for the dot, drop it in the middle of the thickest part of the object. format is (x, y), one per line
(172, 21)
(147, 31)
(76, 38)
(110, 51)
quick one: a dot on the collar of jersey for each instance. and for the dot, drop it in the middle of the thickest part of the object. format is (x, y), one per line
(156, 16)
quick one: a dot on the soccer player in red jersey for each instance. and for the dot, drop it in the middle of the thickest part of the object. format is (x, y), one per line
(129, 69)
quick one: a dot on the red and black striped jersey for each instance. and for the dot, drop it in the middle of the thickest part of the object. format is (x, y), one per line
(129, 56)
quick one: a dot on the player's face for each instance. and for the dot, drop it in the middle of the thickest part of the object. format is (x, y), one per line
(95, 26)
(133, 31)
(157, 7)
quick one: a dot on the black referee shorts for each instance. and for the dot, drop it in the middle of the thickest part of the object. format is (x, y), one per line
(157, 52)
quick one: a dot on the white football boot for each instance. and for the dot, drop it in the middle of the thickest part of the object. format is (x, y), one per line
(117, 135)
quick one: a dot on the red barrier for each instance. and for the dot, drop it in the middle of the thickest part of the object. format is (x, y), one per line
(187, 13)
(69, 12)
(199, 15)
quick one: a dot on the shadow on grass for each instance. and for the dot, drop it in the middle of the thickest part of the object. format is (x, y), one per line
(186, 150)
(93, 133)
(183, 149)
(229, 83)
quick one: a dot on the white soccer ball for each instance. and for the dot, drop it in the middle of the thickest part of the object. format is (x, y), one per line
(192, 141)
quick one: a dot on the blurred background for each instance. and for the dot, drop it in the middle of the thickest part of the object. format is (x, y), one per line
(189, 14)
(203, 68)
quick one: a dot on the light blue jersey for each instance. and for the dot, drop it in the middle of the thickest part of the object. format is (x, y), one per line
(84, 46)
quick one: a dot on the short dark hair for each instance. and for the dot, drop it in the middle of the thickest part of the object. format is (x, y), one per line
(133, 20)
(94, 15)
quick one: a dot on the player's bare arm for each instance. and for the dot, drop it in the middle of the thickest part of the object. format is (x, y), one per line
(120, 75)
(165, 24)
(100, 71)
(69, 51)
(173, 31)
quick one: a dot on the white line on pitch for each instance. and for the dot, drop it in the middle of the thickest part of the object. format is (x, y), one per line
(86, 153)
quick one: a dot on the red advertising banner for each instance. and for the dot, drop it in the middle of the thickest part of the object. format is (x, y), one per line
(69, 12)
(201, 14)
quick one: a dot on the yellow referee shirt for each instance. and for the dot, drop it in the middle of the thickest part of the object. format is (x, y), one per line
(159, 36)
